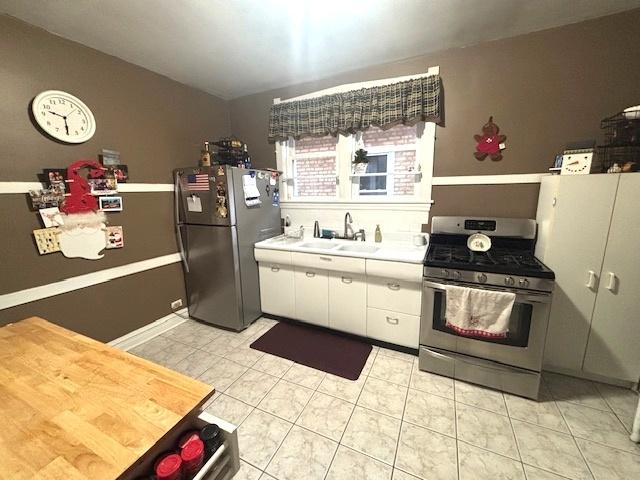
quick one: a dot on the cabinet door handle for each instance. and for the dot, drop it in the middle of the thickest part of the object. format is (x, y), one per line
(611, 281)
(326, 259)
(393, 286)
(591, 280)
(310, 274)
(275, 268)
(347, 280)
(393, 321)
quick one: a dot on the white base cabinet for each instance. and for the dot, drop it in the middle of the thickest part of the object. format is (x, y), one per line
(393, 327)
(348, 302)
(589, 229)
(311, 286)
(352, 295)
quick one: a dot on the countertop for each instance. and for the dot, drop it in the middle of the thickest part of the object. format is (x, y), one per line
(395, 251)
(74, 408)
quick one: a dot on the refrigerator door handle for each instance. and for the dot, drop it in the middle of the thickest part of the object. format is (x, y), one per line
(177, 195)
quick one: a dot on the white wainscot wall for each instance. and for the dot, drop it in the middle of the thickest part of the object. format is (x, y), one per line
(392, 217)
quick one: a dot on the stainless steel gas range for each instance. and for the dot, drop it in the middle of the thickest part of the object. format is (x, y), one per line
(511, 363)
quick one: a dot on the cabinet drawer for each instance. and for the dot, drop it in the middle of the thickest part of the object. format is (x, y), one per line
(410, 272)
(277, 289)
(395, 295)
(348, 302)
(311, 287)
(276, 256)
(393, 327)
(329, 262)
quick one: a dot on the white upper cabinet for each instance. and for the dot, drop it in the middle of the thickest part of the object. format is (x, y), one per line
(614, 343)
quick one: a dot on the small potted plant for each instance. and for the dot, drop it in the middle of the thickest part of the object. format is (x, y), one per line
(360, 161)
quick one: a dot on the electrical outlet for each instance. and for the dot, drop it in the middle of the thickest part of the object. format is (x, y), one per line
(176, 304)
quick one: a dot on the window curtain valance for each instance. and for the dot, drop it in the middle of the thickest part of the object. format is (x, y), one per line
(348, 112)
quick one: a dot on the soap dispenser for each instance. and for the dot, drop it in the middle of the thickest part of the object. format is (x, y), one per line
(378, 234)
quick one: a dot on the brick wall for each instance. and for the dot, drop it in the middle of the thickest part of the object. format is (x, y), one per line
(315, 177)
(398, 135)
(404, 162)
(316, 144)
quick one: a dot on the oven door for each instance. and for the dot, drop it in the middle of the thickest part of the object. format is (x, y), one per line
(523, 346)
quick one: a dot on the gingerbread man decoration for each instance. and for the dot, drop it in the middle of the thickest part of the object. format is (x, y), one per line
(489, 143)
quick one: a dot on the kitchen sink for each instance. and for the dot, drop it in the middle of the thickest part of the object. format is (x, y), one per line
(359, 248)
(325, 245)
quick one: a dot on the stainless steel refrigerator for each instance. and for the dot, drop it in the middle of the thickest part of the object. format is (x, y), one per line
(221, 212)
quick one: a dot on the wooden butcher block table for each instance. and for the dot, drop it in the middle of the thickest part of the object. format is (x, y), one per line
(74, 408)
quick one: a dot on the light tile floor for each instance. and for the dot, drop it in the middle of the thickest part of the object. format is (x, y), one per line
(397, 422)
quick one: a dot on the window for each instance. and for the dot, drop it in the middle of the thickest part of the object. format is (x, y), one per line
(392, 169)
(399, 164)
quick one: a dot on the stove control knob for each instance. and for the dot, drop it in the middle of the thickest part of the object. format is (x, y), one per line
(444, 273)
(482, 277)
(524, 282)
(509, 281)
(456, 275)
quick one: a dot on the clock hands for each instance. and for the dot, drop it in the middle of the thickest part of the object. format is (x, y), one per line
(64, 117)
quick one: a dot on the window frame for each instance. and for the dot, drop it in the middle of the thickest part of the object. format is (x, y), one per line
(347, 183)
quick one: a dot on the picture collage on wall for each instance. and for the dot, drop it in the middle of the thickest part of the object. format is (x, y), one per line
(73, 206)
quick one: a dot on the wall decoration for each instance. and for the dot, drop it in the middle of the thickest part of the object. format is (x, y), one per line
(489, 143)
(63, 117)
(55, 178)
(46, 198)
(83, 235)
(119, 172)
(115, 237)
(51, 217)
(109, 157)
(106, 185)
(110, 204)
(47, 240)
(80, 199)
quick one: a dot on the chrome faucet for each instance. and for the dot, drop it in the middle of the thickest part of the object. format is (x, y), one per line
(347, 226)
(360, 233)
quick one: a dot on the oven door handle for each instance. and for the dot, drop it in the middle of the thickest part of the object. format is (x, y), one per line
(520, 298)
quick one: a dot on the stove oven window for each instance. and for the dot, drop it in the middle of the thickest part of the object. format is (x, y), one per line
(519, 323)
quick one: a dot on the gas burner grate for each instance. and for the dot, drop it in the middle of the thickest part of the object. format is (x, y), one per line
(458, 254)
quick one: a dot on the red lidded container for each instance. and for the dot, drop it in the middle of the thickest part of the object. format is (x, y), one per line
(192, 457)
(169, 467)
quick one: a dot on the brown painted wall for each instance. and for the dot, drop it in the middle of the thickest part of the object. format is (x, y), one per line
(157, 125)
(544, 89)
(109, 310)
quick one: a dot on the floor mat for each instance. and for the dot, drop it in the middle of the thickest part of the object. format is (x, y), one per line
(316, 348)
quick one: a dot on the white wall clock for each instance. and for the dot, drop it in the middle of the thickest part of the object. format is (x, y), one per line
(63, 116)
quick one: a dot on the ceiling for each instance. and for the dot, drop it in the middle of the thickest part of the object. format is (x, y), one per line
(232, 48)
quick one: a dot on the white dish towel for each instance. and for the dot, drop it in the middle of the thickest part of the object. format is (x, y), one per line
(474, 312)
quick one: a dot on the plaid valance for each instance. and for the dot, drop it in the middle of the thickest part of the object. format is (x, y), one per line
(348, 112)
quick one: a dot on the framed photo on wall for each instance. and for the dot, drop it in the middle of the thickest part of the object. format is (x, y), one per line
(110, 204)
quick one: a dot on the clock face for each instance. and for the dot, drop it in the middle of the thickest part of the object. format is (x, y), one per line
(63, 116)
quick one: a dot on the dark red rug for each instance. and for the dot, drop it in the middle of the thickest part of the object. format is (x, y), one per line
(316, 348)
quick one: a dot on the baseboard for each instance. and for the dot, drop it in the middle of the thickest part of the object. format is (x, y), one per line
(146, 333)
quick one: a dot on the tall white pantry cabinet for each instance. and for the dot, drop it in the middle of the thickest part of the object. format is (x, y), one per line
(589, 233)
